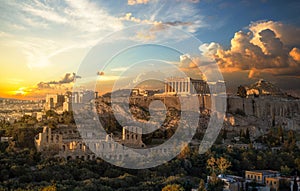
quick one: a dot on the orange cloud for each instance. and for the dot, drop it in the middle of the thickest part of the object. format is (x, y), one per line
(263, 49)
(295, 54)
(39, 90)
(193, 68)
(22, 91)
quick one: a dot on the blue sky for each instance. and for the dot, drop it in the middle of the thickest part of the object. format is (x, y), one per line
(231, 16)
(40, 41)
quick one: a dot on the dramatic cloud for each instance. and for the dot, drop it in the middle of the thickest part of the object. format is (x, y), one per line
(288, 34)
(43, 85)
(198, 68)
(68, 78)
(265, 48)
(42, 88)
(295, 54)
(209, 49)
(188, 62)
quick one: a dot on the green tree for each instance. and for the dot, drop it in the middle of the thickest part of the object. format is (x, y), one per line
(185, 153)
(173, 187)
(297, 162)
(215, 184)
(285, 170)
(51, 113)
(223, 164)
(280, 134)
(290, 143)
(202, 186)
(211, 164)
(219, 165)
(49, 188)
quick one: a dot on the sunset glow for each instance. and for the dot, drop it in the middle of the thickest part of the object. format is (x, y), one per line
(41, 41)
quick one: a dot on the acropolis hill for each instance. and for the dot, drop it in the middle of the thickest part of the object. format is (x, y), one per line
(256, 108)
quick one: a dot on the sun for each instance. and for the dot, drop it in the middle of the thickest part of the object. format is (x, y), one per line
(20, 92)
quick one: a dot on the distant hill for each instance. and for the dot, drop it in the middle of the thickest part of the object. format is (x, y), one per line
(263, 87)
(120, 93)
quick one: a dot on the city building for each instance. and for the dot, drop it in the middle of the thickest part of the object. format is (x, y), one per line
(63, 141)
(132, 136)
(231, 182)
(66, 142)
(54, 101)
(5, 139)
(259, 176)
(61, 103)
(274, 183)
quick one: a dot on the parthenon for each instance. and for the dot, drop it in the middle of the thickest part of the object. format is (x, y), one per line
(185, 85)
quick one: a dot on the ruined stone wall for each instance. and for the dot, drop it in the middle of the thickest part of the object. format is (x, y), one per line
(204, 101)
(264, 107)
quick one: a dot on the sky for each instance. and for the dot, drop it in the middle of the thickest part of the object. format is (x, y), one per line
(44, 44)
